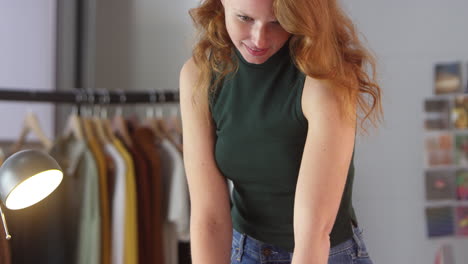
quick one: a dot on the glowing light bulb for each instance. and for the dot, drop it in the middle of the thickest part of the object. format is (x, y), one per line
(34, 189)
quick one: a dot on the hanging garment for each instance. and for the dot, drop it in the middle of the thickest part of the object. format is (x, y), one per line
(143, 203)
(131, 225)
(118, 205)
(110, 178)
(185, 256)
(184, 246)
(89, 229)
(176, 226)
(104, 202)
(171, 252)
(144, 184)
(85, 235)
(179, 202)
(63, 211)
(144, 139)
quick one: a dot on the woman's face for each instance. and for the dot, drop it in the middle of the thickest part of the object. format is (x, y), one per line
(253, 28)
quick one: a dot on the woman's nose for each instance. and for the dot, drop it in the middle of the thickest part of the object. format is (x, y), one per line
(259, 37)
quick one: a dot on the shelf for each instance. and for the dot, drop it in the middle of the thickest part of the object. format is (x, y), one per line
(449, 130)
(445, 96)
(446, 167)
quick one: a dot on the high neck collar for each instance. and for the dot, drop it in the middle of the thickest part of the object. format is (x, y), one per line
(275, 59)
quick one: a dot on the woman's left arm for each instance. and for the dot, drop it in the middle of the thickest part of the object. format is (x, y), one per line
(322, 175)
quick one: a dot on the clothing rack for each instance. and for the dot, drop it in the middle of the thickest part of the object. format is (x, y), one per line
(90, 96)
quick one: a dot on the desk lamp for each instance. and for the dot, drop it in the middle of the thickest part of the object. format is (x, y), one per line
(26, 178)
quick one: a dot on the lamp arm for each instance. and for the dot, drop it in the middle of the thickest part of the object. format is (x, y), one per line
(8, 237)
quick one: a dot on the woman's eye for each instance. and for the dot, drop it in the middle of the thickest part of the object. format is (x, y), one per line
(244, 18)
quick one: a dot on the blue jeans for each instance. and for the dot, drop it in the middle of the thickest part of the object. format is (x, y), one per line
(247, 250)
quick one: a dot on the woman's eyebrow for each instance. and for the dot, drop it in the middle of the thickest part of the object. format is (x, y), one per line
(245, 14)
(241, 12)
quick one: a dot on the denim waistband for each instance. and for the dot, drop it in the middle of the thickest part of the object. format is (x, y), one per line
(256, 247)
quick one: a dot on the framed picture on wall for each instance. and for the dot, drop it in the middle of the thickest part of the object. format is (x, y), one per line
(466, 78)
(440, 185)
(461, 149)
(459, 112)
(447, 78)
(437, 114)
(438, 149)
(445, 255)
(440, 221)
(461, 184)
(461, 216)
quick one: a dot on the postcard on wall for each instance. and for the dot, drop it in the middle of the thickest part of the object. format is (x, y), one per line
(440, 185)
(440, 221)
(466, 78)
(438, 149)
(447, 78)
(459, 112)
(461, 149)
(437, 114)
(461, 184)
(445, 255)
(461, 220)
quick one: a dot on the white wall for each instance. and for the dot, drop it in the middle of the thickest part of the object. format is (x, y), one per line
(162, 38)
(141, 45)
(27, 52)
(408, 38)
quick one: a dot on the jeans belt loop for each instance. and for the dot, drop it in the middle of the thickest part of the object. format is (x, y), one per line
(241, 247)
(358, 241)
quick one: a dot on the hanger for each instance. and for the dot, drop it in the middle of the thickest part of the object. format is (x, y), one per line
(163, 126)
(98, 123)
(165, 131)
(100, 132)
(118, 122)
(31, 124)
(108, 130)
(86, 121)
(150, 121)
(106, 124)
(73, 125)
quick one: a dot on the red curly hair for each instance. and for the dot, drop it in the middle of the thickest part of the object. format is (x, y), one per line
(324, 45)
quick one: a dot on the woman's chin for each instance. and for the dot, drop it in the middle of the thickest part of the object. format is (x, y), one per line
(255, 59)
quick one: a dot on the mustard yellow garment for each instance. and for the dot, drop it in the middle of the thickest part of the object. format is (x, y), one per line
(131, 227)
(104, 199)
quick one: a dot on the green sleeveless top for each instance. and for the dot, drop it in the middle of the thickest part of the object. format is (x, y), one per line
(260, 137)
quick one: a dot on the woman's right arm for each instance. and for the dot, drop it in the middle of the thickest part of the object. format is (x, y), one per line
(210, 220)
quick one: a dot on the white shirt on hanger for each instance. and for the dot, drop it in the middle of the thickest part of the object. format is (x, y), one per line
(177, 222)
(118, 206)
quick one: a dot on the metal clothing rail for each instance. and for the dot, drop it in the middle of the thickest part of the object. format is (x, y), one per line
(82, 96)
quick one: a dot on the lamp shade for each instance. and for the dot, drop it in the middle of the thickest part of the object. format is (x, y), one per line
(27, 177)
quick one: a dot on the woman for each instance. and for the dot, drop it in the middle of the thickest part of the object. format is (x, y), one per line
(271, 99)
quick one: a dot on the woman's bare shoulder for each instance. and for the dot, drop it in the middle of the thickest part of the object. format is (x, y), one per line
(189, 71)
(317, 95)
